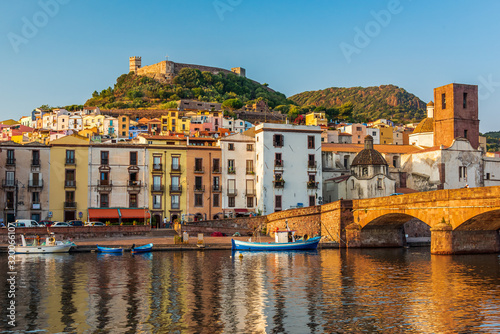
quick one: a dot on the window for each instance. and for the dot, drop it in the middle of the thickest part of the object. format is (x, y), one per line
(352, 184)
(379, 184)
(157, 162)
(230, 166)
(174, 180)
(230, 147)
(358, 128)
(277, 203)
(198, 183)
(10, 179)
(35, 180)
(249, 202)
(465, 102)
(462, 173)
(395, 161)
(443, 101)
(250, 191)
(346, 161)
(216, 183)
(487, 176)
(133, 158)
(198, 199)
(35, 156)
(133, 201)
(104, 158)
(216, 200)
(465, 133)
(231, 201)
(175, 162)
(249, 166)
(278, 162)
(231, 187)
(35, 197)
(311, 162)
(249, 147)
(310, 142)
(312, 200)
(374, 134)
(70, 196)
(70, 179)
(70, 156)
(175, 202)
(133, 179)
(278, 141)
(198, 165)
(9, 200)
(104, 179)
(156, 182)
(216, 165)
(156, 201)
(104, 201)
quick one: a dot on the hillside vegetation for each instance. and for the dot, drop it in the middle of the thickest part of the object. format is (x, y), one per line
(492, 141)
(134, 91)
(366, 103)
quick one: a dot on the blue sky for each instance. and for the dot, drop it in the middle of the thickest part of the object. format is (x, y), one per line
(81, 46)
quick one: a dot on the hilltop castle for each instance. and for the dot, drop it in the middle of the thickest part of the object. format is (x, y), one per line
(166, 70)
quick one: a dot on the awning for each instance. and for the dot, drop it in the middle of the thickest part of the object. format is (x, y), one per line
(103, 213)
(134, 213)
(240, 210)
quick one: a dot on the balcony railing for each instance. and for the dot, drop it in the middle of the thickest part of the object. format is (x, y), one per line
(278, 163)
(279, 184)
(156, 206)
(134, 183)
(250, 192)
(157, 167)
(216, 189)
(9, 205)
(35, 184)
(70, 205)
(232, 192)
(250, 172)
(70, 184)
(311, 164)
(8, 183)
(312, 185)
(35, 163)
(157, 187)
(36, 206)
(105, 162)
(70, 161)
(10, 162)
(216, 170)
(199, 169)
(175, 168)
(231, 170)
(175, 188)
(105, 186)
(199, 188)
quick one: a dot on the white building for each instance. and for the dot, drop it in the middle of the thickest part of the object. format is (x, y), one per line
(238, 176)
(423, 135)
(288, 166)
(375, 134)
(239, 125)
(110, 126)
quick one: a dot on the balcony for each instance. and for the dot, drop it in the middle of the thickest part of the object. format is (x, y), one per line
(216, 170)
(279, 184)
(231, 170)
(232, 192)
(36, 206)
(9, 205)
(199, 188)
(157, 167)
(278, 164)
(70, 162)
(217, 189)
(175, 189)
(70, 205)
(250, 172)
(250, 192)
(312, 185)
(199, 170)
(311, 165)
(175, 168)
(35, 184)
(134, 186)
(156, 188)
(10, 162)
(104, 186)
(35, 163)
(8, 183)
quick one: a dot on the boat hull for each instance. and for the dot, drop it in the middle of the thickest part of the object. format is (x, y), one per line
(109, 250)
(142, 249)
(272, 246)
(43, 249)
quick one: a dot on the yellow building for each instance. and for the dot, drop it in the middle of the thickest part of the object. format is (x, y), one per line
(167, 177)
(173, 121)
(316, 118)
(69, 166)
(91, 121)
(386, 133)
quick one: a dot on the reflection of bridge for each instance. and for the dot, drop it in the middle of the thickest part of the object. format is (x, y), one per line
(461, 220)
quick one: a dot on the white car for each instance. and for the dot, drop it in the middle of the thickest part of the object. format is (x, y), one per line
(95, 224)
(60, 224)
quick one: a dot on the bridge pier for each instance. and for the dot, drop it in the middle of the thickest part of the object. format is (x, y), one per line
(369, 237)
(446, 241)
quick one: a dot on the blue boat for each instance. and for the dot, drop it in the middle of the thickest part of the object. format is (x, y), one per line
(285, 241)
(141, 249)
(109, 250)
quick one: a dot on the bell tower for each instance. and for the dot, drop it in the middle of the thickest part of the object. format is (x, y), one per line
(134, 63)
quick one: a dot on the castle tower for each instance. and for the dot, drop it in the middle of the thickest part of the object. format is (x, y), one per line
(134, 63)
(456, 114)
(239, 71)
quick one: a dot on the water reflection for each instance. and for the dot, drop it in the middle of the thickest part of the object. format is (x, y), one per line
(388, 290)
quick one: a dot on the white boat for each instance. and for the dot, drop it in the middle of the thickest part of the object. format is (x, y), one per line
(50, 245)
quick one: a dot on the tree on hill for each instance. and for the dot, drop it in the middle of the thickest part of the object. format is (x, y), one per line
(232, 104)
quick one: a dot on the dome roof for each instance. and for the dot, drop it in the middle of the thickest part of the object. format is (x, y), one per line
(430, 104)
(369, 156)
(426, 125)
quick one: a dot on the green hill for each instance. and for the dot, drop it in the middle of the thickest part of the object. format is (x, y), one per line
(492, 141)
(368, 103)
(134, 91)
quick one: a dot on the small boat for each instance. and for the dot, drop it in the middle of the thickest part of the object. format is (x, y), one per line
(285, 241)
(141, 249)
(109, 250)
(49, 246)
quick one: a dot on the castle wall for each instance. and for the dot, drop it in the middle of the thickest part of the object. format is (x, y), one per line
(156, 71)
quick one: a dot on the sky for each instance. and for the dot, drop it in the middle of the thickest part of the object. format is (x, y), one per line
(57, 52)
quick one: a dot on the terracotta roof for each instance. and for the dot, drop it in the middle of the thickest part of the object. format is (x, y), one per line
(384, 148)
(163, 137)
(426, 125)
(344, 134)
(430, 104)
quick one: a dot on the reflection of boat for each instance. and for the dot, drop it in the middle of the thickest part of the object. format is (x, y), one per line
(50, 245)
(109, 250)
(142, 249)
(285, 240)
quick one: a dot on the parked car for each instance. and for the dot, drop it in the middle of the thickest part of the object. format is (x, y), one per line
(26, 223)
(60, 224)
(45, 222)
(75, 223)
(95, 224)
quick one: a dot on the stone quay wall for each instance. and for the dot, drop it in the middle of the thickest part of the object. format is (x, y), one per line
(243, 225)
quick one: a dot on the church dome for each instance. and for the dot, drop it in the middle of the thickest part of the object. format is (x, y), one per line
(369, 156)
(426, 125)
(430, 104)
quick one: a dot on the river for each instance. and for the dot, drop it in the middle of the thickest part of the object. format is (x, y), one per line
(325, 291)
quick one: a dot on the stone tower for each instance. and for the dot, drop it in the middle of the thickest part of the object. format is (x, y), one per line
(134, 63)
(456, 114)
(239, 71)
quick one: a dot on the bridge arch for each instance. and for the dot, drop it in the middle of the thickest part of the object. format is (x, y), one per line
(485, 221)
(390, 220)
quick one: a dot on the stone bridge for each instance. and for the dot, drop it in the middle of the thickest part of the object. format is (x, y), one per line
(461, 220)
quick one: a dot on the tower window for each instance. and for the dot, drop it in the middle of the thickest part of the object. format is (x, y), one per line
(465, 100)
(465, 133)
(443, 101)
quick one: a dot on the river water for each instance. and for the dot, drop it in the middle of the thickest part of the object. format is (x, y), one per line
(325, 291)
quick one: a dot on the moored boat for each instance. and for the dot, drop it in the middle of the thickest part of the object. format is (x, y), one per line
(50, 245)
(285, 240)
(109, 250)
(141, 249)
